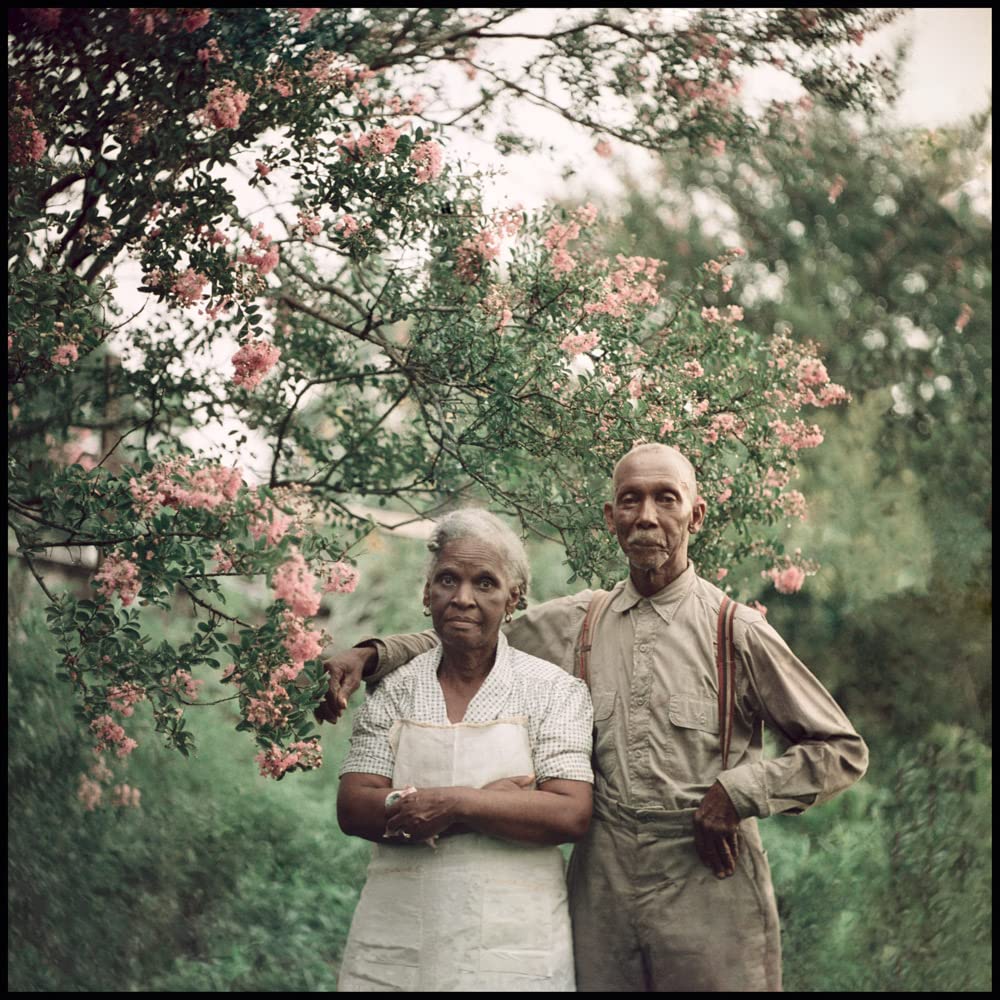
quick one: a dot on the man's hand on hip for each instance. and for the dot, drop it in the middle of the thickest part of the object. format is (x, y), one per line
(716, 831)
(344, 672)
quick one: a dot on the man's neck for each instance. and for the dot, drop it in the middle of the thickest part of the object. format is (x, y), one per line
(651, 581)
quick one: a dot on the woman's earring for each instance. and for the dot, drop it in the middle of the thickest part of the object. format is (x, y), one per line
(508, 617)
(427, 611)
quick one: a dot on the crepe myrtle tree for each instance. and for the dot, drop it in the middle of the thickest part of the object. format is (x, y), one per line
(322, 280)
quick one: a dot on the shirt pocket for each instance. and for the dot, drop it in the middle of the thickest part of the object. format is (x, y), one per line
(695, 752)
(605, 756)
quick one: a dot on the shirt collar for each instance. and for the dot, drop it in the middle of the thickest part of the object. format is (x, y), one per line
(664, 602)
(497, 684)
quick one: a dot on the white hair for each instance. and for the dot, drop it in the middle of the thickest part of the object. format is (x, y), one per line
(474, 522)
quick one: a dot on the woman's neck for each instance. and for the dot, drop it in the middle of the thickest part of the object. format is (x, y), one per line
(466, 667)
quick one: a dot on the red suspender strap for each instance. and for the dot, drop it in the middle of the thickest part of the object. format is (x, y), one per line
(725, 660)
(586, 638)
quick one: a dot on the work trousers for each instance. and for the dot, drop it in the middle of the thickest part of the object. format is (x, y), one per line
(649, 916)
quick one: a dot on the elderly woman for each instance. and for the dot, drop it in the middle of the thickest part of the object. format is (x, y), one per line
(467, 766)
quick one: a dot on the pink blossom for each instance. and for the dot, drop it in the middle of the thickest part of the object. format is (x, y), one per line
(125, 697)
(428, 158)
(578, 343)
(306, 14)
(727, 282)
(342, 578)
(666, 427)
(223, 562)
(798, 435)
(831, 394)
(295, 585)
(603, 149)
(302, 644)
(473, 254)
(811, 371)
(125, 797)
(181, 681)
(224, 108)
(836, 189)
(269, 521)
(693, 369)
(172, 483)
(25, 143)
(724, 495)
(252, 362)
(89, 794)
(734, 314)
(266, 255)
(189, 287)
(561, 262)
(793, 503)
(310, 225)
(586, 214)
(721, 573)
(65, 354)
(384, 139)
(305, 755)
(109, 734)
(787, 580)
(262, 168)
(965, 314)
(271, 707)
(211, 52)
(118, 575)
(717, 147)
(196, 19)
(635, 389)
(347, 226)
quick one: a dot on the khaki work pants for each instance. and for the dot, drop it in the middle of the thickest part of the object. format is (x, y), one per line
(648, 916)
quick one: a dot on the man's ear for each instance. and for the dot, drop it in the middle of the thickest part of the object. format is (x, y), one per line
(513, 599)
(427, 595)
(609, 518)
(698, 509)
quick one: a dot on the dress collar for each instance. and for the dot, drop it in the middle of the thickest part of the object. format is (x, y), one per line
(664, 602)
(494, 689)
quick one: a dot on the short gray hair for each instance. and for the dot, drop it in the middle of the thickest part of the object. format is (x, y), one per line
(474, 522)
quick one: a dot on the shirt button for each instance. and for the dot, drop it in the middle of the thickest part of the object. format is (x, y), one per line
(644, 648)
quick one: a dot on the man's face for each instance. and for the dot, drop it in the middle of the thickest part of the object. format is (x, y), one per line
(654, 510)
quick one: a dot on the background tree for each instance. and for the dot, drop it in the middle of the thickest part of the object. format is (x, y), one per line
(381, 349)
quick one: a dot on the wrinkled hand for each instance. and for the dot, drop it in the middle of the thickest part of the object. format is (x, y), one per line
(519, 783)
(344, 674)
(716, 832)
(422, 814)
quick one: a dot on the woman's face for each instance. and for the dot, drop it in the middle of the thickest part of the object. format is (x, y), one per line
(468, 594)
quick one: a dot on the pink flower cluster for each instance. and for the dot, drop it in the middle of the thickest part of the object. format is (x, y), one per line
(306, 755)
(578, 343)
(89, 793)
(172, 483)
(111, 736)
(25, 143)
(473, 254)
(294, 583)
(603, 149)
(272, 706)
(118, 575)
(182, 682)
(310, 225)
(125, 796)
(65, 354)
(836, 189)
(211, 52)
(797, 435)
(428, 158)
(306, 14)
(733, 314)
(189, 287)
(786, 579)
(302, 644)
(347, 226)
(628, 286)
(557, 236)
(263, 254)
(341, 578)
(965, 314)
(365, 145)
(225, 107)
(269, 521)
(125, 697)
(495, 303)
(723, 425)
(693, 369)
(252, 363)
(793, 504)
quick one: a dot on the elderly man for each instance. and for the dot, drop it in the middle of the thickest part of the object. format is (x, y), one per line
(670, 889)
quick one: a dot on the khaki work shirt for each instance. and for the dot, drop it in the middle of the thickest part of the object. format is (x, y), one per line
(655, 691)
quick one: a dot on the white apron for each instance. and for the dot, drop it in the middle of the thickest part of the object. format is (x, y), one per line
(476, 913)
